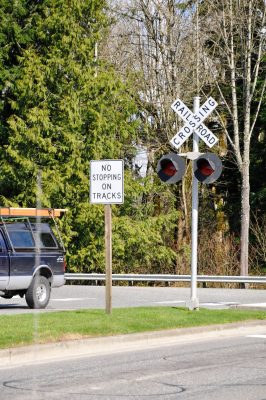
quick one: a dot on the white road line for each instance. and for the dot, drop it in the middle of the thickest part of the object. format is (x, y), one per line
(75, 299)
(257, 336)
(170, 302)
(220, 303)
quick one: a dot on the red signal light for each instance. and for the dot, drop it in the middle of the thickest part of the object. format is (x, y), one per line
(207, 168)
(168, 168)
(204, 167)
(171, 168)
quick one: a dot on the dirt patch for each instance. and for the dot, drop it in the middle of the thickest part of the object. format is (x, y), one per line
(72, 336)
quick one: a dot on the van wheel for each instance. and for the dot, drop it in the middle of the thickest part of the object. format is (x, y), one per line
(38, 293)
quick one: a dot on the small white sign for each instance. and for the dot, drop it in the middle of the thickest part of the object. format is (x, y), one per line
(194, 123)
(107, 182)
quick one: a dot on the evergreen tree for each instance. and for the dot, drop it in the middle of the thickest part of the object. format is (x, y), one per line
(60, 108)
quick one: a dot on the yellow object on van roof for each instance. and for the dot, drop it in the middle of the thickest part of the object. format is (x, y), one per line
(31, 212)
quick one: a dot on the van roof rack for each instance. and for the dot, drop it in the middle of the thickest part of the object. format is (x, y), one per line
(31, 212)
(27, 213)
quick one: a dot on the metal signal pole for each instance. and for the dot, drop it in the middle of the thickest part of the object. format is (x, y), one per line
(193, 303)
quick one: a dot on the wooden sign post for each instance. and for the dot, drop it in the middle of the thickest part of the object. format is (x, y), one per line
(108, 258)
(107, 187)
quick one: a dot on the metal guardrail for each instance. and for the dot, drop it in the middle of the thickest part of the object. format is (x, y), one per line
(166, 278)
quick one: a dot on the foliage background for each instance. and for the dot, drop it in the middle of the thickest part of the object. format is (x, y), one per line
(66, 99)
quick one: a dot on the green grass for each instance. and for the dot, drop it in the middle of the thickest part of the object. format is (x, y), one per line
(23, 329)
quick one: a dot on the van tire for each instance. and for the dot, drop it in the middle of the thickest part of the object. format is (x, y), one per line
(38, 293)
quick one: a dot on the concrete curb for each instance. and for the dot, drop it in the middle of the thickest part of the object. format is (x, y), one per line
(113, 344)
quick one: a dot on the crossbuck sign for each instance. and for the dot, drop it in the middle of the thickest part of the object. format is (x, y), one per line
(194, 122)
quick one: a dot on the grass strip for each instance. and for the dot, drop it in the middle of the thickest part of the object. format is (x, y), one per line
(23, 329)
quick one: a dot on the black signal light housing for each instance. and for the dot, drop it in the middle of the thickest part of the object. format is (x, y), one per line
(207, 168)
(171, 168)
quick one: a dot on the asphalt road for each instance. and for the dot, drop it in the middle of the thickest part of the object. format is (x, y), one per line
(205, 368)
(77, 297)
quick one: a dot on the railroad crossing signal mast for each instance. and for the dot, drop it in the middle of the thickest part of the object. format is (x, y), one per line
(207, 168)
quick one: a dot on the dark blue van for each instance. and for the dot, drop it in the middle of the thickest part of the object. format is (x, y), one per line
(32, 260)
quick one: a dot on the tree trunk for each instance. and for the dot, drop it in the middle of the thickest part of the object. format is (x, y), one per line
(245, 218)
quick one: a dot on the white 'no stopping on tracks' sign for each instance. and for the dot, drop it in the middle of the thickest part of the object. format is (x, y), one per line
(107, 181)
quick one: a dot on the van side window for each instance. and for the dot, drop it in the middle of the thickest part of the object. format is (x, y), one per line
(46, 240)
(1, 241)
(21, 239)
